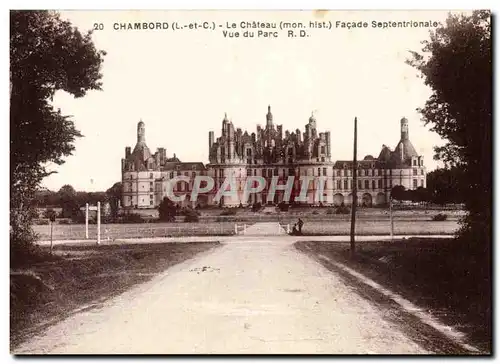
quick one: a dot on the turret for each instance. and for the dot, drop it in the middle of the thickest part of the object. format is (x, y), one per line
(404, 129)
(141, 132)
(269, 118)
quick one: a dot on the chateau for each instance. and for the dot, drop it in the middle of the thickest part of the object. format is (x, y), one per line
(271, 152)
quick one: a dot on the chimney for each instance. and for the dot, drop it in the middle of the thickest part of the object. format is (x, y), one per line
(327, 137)
(210, 139)
(127, 152)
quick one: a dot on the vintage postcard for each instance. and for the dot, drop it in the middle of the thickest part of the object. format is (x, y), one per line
(250, 182)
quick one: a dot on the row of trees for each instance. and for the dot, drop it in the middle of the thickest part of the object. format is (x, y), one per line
(71, 200)
(444, 186)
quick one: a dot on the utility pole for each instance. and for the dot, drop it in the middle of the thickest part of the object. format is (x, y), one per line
(86, 221)
(354, 188)
(392, 221)
(98, 222)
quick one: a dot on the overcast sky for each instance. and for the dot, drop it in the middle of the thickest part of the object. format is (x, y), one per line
(180, 83)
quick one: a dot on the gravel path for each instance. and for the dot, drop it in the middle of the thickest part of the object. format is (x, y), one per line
(256, 295)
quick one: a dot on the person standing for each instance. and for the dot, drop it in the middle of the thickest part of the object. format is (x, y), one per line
(300, 223)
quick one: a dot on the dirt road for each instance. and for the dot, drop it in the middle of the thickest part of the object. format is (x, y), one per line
(255, 295)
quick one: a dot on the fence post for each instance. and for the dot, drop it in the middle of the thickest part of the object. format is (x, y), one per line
(244, 228)
(236, 229)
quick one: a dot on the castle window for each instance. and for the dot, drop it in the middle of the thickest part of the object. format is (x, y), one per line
(379, 183)
(373, 185)
(367, 184)
(375, 172)
(421, 183)
(254, 172)
(263, 173)
(346, 186)
(421, 171)
(324, 171)
(339, 185)
(414, 183)
(360, 185)
(322, 149)
(415, 171)
(322, 159)
(194, 174)
(171, 175)
(249, 172)
(151, 175)
(179, 173)
(338, 172)
(319, 171)
(414, 162)
(276, 171)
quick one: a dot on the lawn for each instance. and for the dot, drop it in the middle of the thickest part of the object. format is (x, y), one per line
(49, 288)
(144, 230)
(438, 275)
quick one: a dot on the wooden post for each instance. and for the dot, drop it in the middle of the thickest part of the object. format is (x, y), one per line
(354, 189)
(86, 221)
(98, 222)
(51, 224)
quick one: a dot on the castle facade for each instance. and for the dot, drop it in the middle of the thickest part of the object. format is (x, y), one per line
(273, 154)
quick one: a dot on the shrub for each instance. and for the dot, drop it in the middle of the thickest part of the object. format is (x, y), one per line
(132, 218)
(342, 210)
(191, 216)
(228, 212)
(167, 210)
(440, 217)
(283, 206)
(256, 207)
(330, 211)
(315, 212)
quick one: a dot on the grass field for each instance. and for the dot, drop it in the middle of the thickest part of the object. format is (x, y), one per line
(336, 226)
(438, 275)
(84, 275)
(146, 230)
(377, 227)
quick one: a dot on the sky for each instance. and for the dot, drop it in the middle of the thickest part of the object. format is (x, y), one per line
(181, 82)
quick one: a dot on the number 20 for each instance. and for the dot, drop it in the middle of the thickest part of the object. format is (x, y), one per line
(98, 26)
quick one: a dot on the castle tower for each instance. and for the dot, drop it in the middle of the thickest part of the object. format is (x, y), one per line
(141, 132)
(404, 129)
(269, 118)
(225, 121)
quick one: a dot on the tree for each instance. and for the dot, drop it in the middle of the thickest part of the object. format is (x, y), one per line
(444, 185)
(456, 65)
(69, 203)
(398, 192)
(167, 210)
(114, 195)
(47, 54)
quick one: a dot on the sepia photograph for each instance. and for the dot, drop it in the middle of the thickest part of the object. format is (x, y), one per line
(251, 182)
